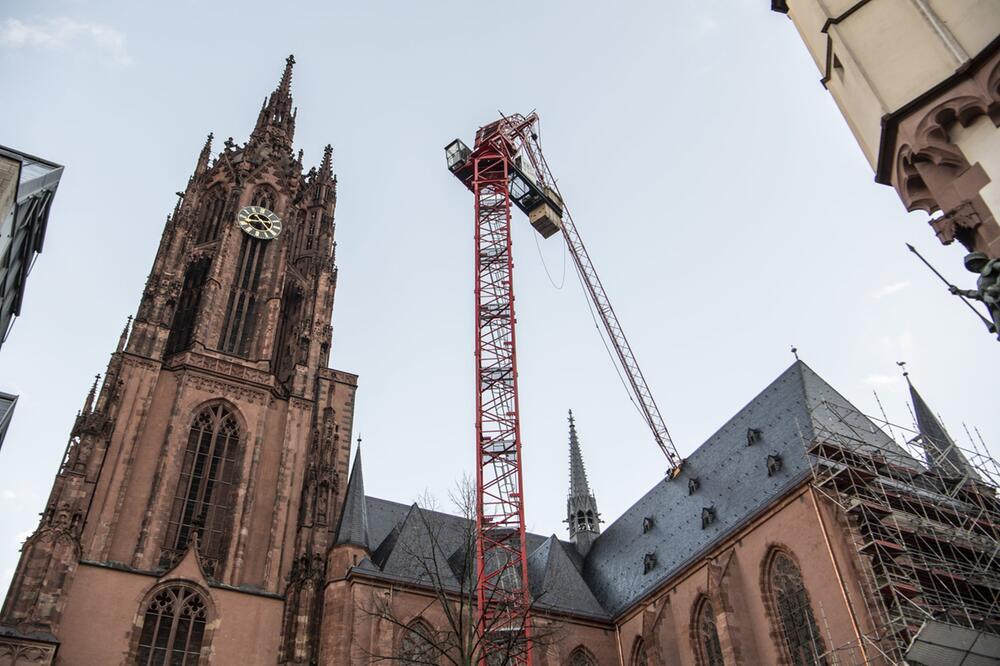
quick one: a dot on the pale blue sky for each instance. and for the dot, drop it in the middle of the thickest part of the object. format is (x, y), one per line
(724, 201)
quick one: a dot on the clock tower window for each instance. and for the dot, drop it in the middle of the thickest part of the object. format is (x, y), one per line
(241, 309)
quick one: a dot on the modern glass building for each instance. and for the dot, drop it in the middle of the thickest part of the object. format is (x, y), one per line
(27, 187)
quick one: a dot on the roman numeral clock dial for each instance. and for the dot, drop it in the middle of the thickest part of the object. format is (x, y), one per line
(259, 222)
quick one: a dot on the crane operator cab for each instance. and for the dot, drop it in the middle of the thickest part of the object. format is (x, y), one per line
(539, 201)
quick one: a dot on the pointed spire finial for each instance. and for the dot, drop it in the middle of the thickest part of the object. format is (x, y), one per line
(204, 156)
(123, 339)
(906, 373)
(89, 402)
(285, 85)
(277, 119)
(795, 352)
(326, 166)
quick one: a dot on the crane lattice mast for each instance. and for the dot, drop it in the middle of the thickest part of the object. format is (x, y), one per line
(506, 167)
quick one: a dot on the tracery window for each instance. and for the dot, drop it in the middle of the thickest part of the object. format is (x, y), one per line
(212, 213)
(182, 327)
(204, 497)
(581, 657)
(416, 646)
(639, 657)
(706, 634)
(241, 308)
(286, 343)
(173, 629)
(793, 613)
(264, 197)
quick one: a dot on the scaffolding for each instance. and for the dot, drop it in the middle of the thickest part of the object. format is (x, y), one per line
(927, 535)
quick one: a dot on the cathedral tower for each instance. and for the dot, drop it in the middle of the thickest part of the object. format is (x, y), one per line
(202, 480)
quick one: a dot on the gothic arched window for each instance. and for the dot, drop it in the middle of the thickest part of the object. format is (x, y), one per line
(639, 657)
(581, 656)
(416, 645)
(173, 629)
(182, 327)
(706, 635)
(792, 612)
(212, 213)
(264, 197)
(241, 308)
(204, 497)
(286, 343)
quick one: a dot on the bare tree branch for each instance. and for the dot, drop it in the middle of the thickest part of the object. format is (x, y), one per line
(445, 571)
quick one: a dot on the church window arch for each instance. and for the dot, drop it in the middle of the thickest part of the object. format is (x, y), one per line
(791, 612)
(174, 628)
(581, 656)
(265, 197)
(186, 312)
(241, 307)
(213, 211)
(205, 494)
(705, 634)
(416, 645)
(639, 656)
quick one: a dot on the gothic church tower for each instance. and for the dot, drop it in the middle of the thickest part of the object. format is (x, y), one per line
(202, 482)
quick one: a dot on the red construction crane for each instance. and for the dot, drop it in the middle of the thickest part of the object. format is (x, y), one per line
(507, 166)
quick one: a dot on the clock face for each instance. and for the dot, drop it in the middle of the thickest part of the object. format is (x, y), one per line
(259, 222)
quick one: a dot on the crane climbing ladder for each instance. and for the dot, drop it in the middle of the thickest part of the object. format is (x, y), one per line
(506, 167)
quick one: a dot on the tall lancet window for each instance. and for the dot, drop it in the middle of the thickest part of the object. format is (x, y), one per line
(205, 492)
(242, 305)
(792, 612)
(212, 213)
(182, 328)
(706, 634)
(639, 656)
(286, 347)
(173, 629)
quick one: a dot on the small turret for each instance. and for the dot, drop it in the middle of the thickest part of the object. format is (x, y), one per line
(581, 507)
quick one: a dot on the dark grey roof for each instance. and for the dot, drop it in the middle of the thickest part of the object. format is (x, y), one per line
(733, 482)
(556, 581)
(416, 544)
(943, 456)
(353, 527)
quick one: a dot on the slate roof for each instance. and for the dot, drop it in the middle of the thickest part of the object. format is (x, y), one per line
(733, 481)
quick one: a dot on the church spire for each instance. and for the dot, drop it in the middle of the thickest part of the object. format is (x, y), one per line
(581, 506)
(942, 454)
(353, 528)
(277, 116)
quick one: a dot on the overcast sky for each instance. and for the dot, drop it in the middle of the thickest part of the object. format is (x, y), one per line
(726, 205)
